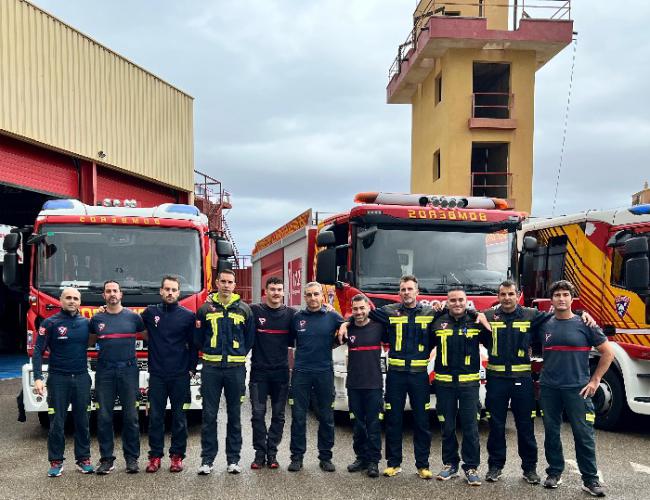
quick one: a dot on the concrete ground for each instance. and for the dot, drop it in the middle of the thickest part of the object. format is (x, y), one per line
(624, 461)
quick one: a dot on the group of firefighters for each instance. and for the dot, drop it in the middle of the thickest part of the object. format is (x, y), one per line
(225, 330)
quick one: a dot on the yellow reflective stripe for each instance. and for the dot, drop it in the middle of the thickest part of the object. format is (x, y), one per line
(467, 359)
(236, 318)
(472, 332)
(290, 401)
(487, 414)
(235, 344)
(495, 328)
(399, 322)
(387, 406)
(470, 377)
(396, 362)
(352, 416)
(381, 416)
(441, 377)
(242, 398)
(212, 357)
(137, 404)
(541, 413)
(533, 414)
(522, 326)
(187, 406)
(332, 404)
(236, 359)
(420, 348)
(478, 416)
(51, 411)
(521, 353)
(427, 406)
(590, 417)
(423, 321)
(441, 418)
(496, 368)
(213, 319)
(443, 334)
(521, 368)
(89, 408)
(419, 362)
(96, 406)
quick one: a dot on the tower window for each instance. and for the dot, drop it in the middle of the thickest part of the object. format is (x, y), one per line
(491, 87)
(436, 165)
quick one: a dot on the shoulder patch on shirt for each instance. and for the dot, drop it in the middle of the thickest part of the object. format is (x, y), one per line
(63, 331)
(42, 330)
(101, 326)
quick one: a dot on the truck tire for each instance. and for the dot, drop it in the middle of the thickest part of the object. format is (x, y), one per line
(44, 419)
(610, 403)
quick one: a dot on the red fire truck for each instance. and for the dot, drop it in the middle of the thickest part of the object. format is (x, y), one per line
(72, 244)
(605, 255)
(443, 240)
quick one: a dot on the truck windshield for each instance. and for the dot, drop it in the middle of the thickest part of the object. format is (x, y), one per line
(439, 259)
(136, 257)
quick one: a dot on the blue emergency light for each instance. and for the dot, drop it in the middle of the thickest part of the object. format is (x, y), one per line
(182, 209)
(58, 205)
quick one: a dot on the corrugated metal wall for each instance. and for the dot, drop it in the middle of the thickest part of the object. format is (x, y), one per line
(60, 88)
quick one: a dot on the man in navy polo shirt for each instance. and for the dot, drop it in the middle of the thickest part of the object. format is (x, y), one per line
(566, 385)
(65, 335)
(172, 357)
(115, 331)
(313, 330)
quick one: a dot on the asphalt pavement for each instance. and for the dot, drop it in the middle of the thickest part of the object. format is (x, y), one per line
(623, 459)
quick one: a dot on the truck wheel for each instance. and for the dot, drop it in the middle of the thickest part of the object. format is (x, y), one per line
(609, 401)
(44, 419)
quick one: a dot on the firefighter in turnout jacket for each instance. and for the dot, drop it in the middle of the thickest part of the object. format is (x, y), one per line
(407, 332)
(224, 333)
(457, 368)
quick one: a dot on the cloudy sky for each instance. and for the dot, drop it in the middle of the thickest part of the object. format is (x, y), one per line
(290, 110)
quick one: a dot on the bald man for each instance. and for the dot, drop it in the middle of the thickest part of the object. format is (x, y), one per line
(65, 335)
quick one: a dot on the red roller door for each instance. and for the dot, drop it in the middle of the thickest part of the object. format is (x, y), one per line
(272, 265)
(112, 184)
(28, 166)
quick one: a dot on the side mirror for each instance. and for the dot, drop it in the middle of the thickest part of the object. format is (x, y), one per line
(637, 265)
(530, 243)
(10, 269)
(326, 266)
(222, 265)
(326, 239)
(224, 249)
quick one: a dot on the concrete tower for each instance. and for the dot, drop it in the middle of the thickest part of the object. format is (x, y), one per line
(470, 81)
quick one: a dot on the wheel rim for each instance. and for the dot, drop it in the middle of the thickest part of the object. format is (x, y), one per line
(603, 398)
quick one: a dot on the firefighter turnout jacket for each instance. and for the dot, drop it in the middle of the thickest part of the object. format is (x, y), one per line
(224, 332)
(458, 359)
(407, 332)
(509, 343)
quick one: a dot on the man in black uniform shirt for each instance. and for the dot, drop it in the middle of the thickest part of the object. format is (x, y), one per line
(365, 384)
(269, 372)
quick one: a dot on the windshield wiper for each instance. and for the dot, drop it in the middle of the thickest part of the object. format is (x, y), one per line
(382, 285)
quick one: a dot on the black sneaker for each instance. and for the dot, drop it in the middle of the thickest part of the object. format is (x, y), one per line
(105, 466)
(295, 465)
(327, 465)
(493, 474)
(373, 470)
(594, 488)
(272, 462)
(532, 477)
(357, 466)
(132, 466)
(552, 481)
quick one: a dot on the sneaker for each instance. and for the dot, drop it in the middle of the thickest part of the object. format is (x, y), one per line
(176, 463)
(204, 469)
(357, 466)
(552, 481)
(272, 462)
(493, 474)
(594, 488)
(472, 477)
(392, 471)
(327, 465)
(373, 470)
(448, 471)
(425, 473)
(233, 468)
(258, 463)
(153, 465)
(85, 466)
(132, 466)
(56, 467)
(295, 465)
(531, 477)
(105, 467)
